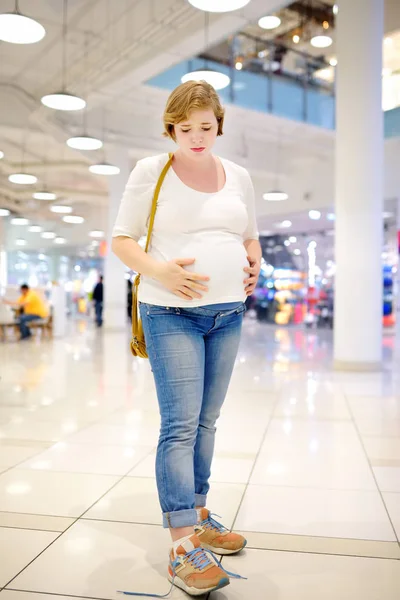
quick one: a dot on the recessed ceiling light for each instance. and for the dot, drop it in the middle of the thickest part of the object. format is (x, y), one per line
(269, 22)
(19, 221)
(314, 215)
(18, 29)
(61, 209)
(22, 178)
(297, 252)
(60, 240)
(96, 233)
(35, 229)
(20, 242)
(335, 9)
(4, 212)
(296, 39)
(287, 243)
(333, 62)
(218, 5)
(321, 41)
(238, 65)
(73, 219)
(1, 154)
(331, 217)
(44, 196)
(48, 235)
(275, 196)
(293, 239)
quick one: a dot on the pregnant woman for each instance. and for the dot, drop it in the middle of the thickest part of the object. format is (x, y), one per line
(203, 262)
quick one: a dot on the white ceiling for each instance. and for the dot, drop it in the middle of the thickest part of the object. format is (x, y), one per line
(127, 42)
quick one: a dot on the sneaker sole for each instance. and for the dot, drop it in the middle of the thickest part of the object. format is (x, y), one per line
(192, 591)
(223, 551)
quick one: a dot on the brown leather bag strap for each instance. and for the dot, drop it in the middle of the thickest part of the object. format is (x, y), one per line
(155, 199)
(149, 232)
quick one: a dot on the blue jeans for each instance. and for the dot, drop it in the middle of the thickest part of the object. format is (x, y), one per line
(23, 327)
(98, 306)
(192, 353)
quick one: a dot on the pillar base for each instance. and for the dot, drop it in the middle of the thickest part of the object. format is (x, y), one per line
(344, 365)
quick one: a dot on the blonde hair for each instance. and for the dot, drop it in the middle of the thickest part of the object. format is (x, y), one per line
(189, 96)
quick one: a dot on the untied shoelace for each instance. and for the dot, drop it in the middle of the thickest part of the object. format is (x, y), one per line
(199, 559)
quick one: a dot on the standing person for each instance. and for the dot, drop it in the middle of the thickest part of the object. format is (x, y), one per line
(98, 301)
(203, 262)
(32, 308)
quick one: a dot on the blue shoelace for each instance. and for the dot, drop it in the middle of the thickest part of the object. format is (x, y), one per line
(210, 522)
(199, 559)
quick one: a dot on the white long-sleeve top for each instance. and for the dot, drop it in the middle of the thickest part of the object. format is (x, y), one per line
(209, 227)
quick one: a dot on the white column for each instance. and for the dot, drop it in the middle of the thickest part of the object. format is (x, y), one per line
(115, 286)
(3, 257)
(359, 185)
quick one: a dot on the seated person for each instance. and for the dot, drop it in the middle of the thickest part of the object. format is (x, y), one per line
(33, 308)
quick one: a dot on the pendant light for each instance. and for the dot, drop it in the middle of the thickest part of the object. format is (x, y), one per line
(218, 80)
(322, 39)
(73, 219)
(269, 22)
(21, 177)
(64, 100)
(219, 6)
(276, 194)
(103, 167)
(18, 29)
(85, 141)
(44, 195)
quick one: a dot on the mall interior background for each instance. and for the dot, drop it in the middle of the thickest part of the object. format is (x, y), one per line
(276, 65)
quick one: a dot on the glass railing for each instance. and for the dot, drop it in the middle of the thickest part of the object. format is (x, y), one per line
(296, 86)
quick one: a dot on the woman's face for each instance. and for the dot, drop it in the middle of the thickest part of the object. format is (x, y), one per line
(196, 136)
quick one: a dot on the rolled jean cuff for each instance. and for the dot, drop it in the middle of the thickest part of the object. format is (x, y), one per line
(200, 500)
(180, 518)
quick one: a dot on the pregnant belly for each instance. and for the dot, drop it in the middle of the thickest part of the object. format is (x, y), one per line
(223, 261)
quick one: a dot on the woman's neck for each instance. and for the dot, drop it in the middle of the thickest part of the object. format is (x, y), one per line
(203, 164)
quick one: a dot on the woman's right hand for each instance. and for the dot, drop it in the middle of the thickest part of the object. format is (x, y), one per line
(182, 283)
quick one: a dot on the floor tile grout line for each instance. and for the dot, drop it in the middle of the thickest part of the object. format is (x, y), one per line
(159, 525)
(53, 443)
(30, 529)
(6, 589)
(125, 474)
(371, 467)
(270, 419)
(11, 512)
(67, 529)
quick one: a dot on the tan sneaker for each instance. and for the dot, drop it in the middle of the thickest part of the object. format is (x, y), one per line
(217, 538)
(194, 570)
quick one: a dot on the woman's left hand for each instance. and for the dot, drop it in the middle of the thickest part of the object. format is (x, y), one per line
(254, 272)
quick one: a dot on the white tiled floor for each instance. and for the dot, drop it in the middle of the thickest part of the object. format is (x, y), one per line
(307, 463)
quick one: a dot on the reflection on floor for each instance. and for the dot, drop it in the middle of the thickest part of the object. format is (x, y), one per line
(307, 464)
